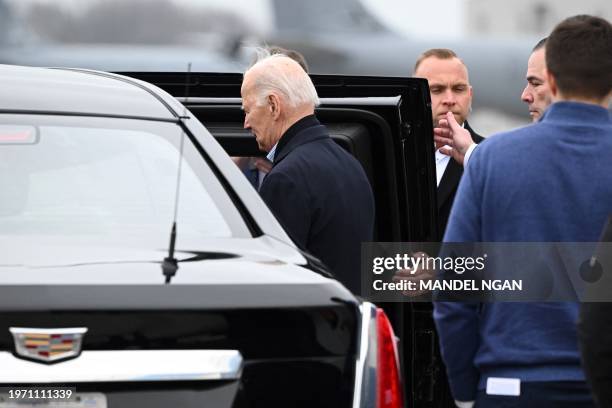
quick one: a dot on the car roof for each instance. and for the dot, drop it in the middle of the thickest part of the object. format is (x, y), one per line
(77, 91)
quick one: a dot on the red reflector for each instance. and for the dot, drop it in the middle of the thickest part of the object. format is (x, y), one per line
(17, 134)
(14, 137)
(389, 384)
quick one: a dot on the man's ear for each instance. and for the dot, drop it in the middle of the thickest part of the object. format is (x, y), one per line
(552, 84)
(274, 104)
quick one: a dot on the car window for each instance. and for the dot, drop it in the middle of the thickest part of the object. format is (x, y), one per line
(107, 181)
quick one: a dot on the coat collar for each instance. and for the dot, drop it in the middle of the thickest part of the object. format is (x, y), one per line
(571, 112)
(303, 131)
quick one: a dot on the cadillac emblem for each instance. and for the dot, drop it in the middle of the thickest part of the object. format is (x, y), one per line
(48, 345)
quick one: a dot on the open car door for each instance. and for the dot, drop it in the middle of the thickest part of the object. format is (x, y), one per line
(386, 124)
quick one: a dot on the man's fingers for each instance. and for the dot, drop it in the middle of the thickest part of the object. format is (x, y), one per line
(411, 278)
(442, 137)
(442, 140)
(410, 273)
(443, 132)
(415, 281)
(444, 148)
(447, 151)
(263, 165)
(451, 121)
(403, 273)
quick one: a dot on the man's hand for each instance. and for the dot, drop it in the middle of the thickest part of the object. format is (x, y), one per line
(450, 133)
(241, 162)
(421, 273)
(262, 164)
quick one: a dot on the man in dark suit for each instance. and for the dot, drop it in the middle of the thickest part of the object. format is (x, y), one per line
(255, 169)
(450, 91)
(318, 191)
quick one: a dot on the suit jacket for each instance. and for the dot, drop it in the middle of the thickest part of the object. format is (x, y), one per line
(448, 186)
(322, 197)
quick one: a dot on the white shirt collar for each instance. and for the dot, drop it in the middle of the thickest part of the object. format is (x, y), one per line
(272, 153)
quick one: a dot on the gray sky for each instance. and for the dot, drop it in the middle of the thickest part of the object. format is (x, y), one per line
(439, 18)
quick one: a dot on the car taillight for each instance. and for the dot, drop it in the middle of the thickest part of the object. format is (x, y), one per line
(389, 384)
(378, 381)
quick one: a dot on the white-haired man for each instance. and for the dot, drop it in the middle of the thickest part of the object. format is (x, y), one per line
(318, 191)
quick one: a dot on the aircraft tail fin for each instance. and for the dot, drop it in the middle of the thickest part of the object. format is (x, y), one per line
(324, 16)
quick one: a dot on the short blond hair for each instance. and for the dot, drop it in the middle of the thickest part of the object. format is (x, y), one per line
(440, 53)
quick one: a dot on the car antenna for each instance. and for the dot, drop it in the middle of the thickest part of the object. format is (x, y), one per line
(170, 264)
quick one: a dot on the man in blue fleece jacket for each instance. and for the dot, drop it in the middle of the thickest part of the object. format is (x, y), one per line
(551, 181)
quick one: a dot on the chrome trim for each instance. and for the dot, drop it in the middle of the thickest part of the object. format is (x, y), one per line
(367, 360)
(126, 366)
(67, 330)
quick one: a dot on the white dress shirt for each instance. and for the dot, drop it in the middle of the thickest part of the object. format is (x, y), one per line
(468, 154)
(441, 163)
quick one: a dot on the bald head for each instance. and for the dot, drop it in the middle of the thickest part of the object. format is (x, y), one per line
(449, 86)
(276, 93)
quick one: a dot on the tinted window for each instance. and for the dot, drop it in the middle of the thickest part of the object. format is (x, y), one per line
(107, 182)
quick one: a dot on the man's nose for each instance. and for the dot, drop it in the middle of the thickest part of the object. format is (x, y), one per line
(449, 98)
(526, 96)
(246, 123)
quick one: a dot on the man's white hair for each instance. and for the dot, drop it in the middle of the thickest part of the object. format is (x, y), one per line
(296, 89)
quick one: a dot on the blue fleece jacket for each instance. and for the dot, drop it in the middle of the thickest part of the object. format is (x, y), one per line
(547, 182)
